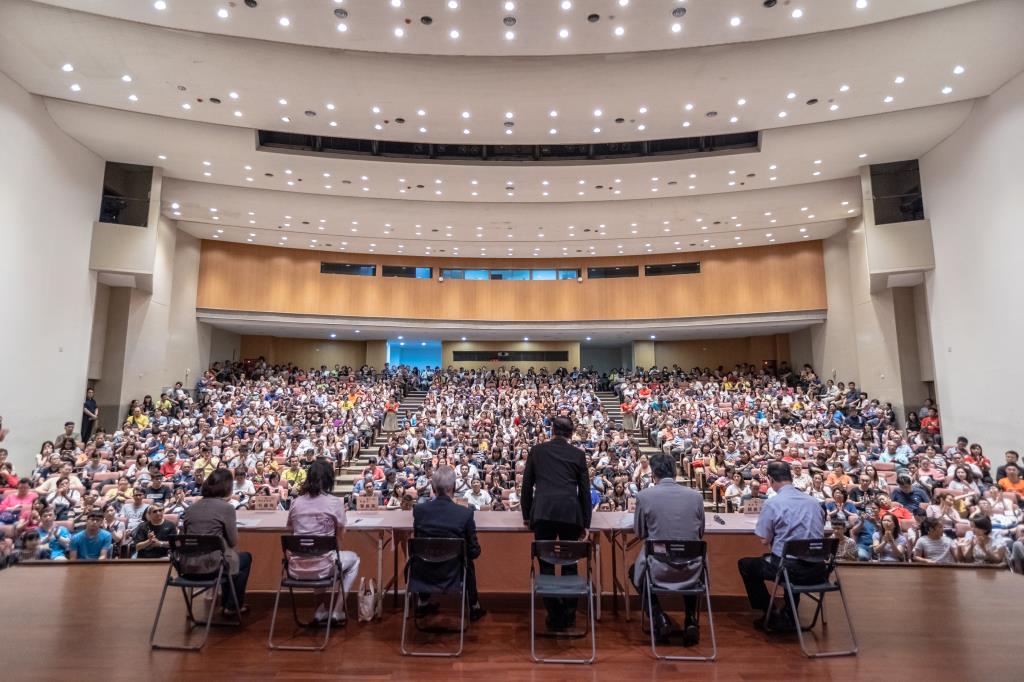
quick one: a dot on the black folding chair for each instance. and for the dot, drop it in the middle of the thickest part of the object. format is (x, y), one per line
(183, 548)
(683, 557)
(308, 547)
(435, 566)
(812, 552)
(562, 553)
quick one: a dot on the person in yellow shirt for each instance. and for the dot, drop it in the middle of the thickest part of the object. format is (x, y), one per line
(138, 418)
(294, 475)
(205, 462)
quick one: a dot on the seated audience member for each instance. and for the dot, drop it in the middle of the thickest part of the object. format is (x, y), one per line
(910, 497)
(242, 489)
(945, 512)
(789, 515)
(214, 515)
(442, 518)
(1012, 481)
(864, 492)
(977, 546)
(847, 550)
(32, 549)
(477, 497)
(152, 537)
(888, 543)
(115, 525)
(668, 511)
(1011, 457)
(19, 503)
(57, 538)
(316, 511)
(155, 492)
(841, 508)
(737, 492)
(934, 546)
(64, 500)
(863, 531)
(93, 542)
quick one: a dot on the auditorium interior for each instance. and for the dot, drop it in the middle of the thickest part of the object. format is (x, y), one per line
(405, 262)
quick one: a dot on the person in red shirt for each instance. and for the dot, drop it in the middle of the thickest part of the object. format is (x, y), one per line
(171, 464)
(930, 424)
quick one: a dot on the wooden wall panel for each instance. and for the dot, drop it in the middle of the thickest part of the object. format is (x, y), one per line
(305, 353)
(787, 277)
(726, 353)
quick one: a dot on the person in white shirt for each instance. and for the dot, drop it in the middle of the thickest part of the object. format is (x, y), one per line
(477, 497)
(801, 479)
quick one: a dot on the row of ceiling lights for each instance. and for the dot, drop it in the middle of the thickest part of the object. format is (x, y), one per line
(619, 30)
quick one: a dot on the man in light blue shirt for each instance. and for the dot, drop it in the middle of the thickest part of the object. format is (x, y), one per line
(788, 515)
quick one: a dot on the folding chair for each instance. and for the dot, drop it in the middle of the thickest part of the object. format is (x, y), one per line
(308, 546)
(821, 552)
(195, 585)
(682, 556)
(562, 553)
(435, 566)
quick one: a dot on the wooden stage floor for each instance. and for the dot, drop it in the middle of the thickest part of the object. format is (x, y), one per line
(91, 622)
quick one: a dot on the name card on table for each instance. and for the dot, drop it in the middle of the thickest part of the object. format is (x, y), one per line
(264, 502)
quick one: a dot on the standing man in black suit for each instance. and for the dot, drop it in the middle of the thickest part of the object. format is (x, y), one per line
(442, 518)
(556, 505)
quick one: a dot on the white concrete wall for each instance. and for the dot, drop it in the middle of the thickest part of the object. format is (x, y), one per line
(49, 197)
(834, 341)
(972, 194)
(188, 342)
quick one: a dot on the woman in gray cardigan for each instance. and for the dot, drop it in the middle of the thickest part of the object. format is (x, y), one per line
(214, 515)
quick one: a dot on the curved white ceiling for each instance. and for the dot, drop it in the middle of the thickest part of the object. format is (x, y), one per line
(127, 106)
(38, 40)
(481, 24)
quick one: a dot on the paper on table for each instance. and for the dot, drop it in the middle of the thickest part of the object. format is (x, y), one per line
(626, 521)
(364, 521)
(246, 523)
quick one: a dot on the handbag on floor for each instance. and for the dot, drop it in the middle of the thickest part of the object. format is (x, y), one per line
(369, 605)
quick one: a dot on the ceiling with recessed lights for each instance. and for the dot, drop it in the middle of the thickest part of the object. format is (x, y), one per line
(829, 87)
(509, 28)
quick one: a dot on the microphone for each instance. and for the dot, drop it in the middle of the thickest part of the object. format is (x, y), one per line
(718, 519)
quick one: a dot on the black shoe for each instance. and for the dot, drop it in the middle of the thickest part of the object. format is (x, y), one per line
(664, 628)
(691, 634)
(477, 612)
(427, 609)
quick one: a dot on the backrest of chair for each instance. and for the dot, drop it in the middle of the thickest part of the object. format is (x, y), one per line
(675, 552)
(436, 550)
(308, 545)
(818, 550)
(884, 466)
(561, 552)
(185, 547)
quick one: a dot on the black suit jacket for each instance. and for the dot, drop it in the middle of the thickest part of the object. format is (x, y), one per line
(442, 518)
(555, 484)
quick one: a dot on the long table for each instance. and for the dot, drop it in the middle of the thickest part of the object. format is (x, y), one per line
(505, 542)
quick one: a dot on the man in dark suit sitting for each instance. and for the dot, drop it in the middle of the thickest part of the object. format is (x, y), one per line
(668, 511)
(556, 505)
(442, 518)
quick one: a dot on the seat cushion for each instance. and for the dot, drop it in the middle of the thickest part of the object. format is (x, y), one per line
(819, 587)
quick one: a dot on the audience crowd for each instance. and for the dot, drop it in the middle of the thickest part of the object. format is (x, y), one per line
(891, 487)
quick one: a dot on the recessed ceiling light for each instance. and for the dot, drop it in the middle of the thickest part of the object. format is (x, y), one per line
(619, 30)
(861, 4)
(186, 106)
(688, 107)
(396, 3)
(378, 126)
(238, 114)
(342, 27)
(676, 28)
(946, 90)
(887, 99)
(553, 114)
(641, 127)
(399, 32)
(75, 87)
(797, 13)
(735, 21)
(791, 95)
(453, 34)
(773, 178)
(958, 69)
(734, 119)
(833, 107)
(862, 156)
(741, 101)
(160, 5)
(285, 21)
(810, 216)
(133, 98)
(465, 131)
(643, 110)
(282, 102)
(563, 33)
(510, 35)
(817, 162)
(899, 80)
(285, 119)
(816, 173)
(222, 13)
(423, 130)
(67, 68)
(453, 4)
(782, 114)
